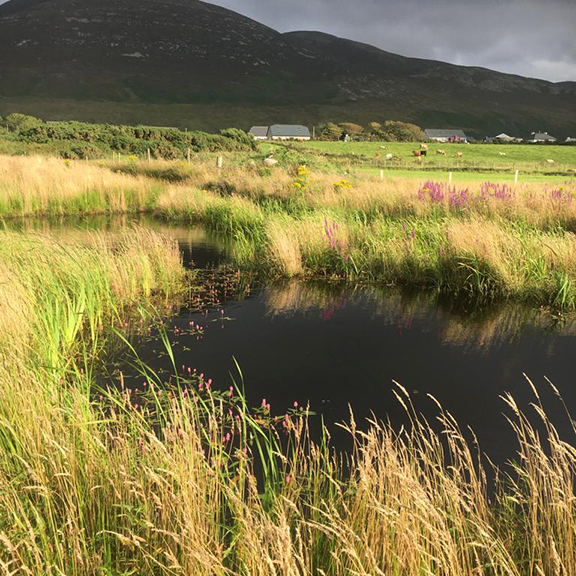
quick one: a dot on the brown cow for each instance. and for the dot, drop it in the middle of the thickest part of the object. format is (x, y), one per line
(459, 154)
(416, 153)
(441, 152)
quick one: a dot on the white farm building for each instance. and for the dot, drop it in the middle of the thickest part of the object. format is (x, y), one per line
(448, 135)
(280, 132)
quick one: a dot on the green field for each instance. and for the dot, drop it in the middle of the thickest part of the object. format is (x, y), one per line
(463, 176)
(476, 157)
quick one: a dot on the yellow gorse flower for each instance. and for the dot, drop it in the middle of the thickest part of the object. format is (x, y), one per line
(342, 184)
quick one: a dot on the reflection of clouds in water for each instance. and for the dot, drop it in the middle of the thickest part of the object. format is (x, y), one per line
(472, 330)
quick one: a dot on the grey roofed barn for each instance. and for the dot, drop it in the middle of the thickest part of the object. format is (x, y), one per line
(259, 131)
(444, 135)
(289, 131)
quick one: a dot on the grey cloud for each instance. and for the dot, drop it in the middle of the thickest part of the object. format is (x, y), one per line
(528, 37)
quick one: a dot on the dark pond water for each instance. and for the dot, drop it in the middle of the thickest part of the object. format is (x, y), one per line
(336, 347)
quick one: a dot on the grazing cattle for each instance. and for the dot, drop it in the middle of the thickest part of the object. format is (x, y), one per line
(459, 154)
(389, 156)
(441, 152)
(416, 153)
(550, 161)
(383, 147)
(377, 155)
(571, 170)
(502, 153)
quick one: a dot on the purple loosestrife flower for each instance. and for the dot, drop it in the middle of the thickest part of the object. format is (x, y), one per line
(560, 196)
(494, 190)
(334, 244)
(432, 190)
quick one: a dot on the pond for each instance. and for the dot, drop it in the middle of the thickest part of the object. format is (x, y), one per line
(338, 348)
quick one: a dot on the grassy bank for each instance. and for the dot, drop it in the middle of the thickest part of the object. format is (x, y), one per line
(179, 479)
(489, 240)
(484, 239)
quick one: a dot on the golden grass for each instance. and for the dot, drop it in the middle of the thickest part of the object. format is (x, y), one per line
(44, 185)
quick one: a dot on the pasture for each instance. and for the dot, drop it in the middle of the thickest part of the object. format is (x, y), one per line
(475, 157)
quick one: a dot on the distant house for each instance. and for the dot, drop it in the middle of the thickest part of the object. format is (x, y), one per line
(288, 132)
(449, 135)
(259, 132)
(504, 138)
(541, 138)
(570, 140)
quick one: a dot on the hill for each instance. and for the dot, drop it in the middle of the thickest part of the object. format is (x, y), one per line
(191, 64)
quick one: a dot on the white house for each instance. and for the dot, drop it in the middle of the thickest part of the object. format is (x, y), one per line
(288, 132)
(259, 132)
(448, 135)
(541, 138)
(504, 138)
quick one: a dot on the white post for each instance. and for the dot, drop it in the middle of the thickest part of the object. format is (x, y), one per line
(188, 154)
(149, 155)
(220, 162)
(381, 174)
(450, 177)
(516, 177)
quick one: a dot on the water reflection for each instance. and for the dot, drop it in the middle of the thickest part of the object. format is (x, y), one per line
(200, 248)
(463, 324)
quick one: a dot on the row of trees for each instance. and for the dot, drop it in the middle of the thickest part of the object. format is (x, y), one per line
(388, 131)
(82, 139)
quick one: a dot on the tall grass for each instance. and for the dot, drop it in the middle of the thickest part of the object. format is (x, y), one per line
(92, 491)
(40, 185)
(58, 293)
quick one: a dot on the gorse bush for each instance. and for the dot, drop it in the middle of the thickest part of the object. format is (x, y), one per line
(166, 143)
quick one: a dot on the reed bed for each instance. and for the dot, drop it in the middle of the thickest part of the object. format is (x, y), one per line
(57, 291)
(478, 255)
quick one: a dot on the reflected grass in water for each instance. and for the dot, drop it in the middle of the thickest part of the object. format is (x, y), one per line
(465, 323)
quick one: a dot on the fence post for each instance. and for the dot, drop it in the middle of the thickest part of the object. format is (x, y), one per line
(220, 162)
(450, 177)
(381, 174)
(516, 177)
(149, 155)
(188, 155)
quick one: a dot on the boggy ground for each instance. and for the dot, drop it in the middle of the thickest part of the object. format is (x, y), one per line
(486, 239)
(184, 480)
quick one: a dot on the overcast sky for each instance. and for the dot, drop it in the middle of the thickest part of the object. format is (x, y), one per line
(534, 38)
(529, 37)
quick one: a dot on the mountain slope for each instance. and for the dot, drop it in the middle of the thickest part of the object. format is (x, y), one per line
(219, 68)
